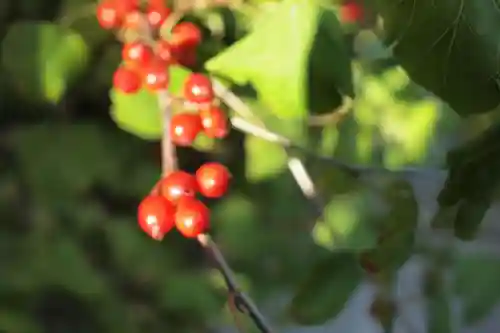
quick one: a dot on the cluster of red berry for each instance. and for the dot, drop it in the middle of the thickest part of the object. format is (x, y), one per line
(146, 62)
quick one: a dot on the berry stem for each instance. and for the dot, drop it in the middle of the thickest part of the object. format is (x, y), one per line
(168, 153)
(242, 301)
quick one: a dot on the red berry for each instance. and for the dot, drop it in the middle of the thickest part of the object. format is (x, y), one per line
(198, 89)
(126, 80)
(156, 75)
(157, 15)
(187, 57)
(165, 51)
(213, 180)
(107, 15)
(214, 122)
(156, 216)
(186, 34)
(177, 185)
(124, 7)
(351, 12)
(192, 218)
(184, 128)
(132, 20)
(137, 54)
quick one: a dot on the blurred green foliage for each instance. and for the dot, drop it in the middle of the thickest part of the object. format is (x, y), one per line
(76, 157)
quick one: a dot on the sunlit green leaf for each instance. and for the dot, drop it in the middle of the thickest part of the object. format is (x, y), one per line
(298, 45)
(263, 159)
(139, 113)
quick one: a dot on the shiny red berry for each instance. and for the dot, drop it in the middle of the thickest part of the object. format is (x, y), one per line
(192, 218)
(156, 75)
(137, 54)
(132, 20)
(124, 7)
(107, 15)
(184, 128)
(186, 34)
(165, 51)
(126, 80)
(213, 180)
(177, 185)
(156, 216)
(198, 89)
(157, 15)
(214, 122)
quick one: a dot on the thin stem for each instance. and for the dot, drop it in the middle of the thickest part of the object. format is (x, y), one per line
(242, 301)
(168, 152)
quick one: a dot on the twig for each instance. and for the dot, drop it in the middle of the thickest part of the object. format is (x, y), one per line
(242, 301)
(168, 153)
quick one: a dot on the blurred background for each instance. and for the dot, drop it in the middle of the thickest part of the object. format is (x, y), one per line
(73, 260)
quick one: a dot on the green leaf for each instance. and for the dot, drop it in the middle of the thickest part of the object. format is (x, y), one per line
(448, 47)
(43, 58)
(263, 159)
(139, 113)
(298, 43)
(323, 294)
(347, 222)
(472, 181)
(476, 284)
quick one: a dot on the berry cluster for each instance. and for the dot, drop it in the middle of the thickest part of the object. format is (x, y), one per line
(145, 64)
(175, 203)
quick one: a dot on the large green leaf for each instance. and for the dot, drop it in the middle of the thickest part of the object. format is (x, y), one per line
(326, 290)
(472, 181)
(475, 283)
(449, 47)
(295, 58)
(139, 113)
(43, 58)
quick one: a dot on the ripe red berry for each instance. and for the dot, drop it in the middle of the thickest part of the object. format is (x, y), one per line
(137, 54)
(213, 180)
(124, 7)
(126, 80)
(177, 185)
(157, 15)
(107, 15)
(165, 51)
(156, 216)
(192, 218)
(198, 89)
(351, 12)
(156, 75)
(187, 57)
(214, 122)
(186, 34)
(184, 128)
(132, 20)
